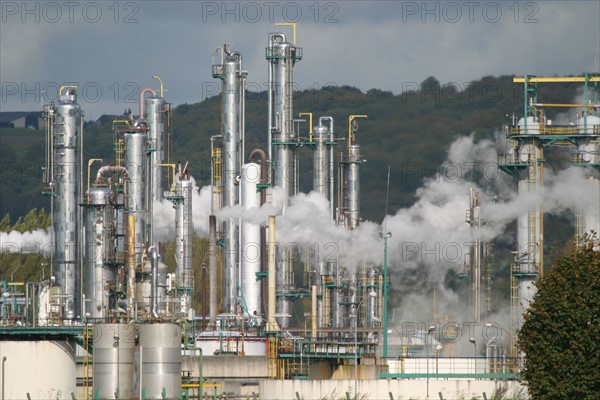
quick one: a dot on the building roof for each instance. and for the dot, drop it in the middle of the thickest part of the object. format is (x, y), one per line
(10, 116)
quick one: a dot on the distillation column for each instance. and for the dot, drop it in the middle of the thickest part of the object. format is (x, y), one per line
(155, 115)
(135, 149)
(250, 243)
(349, 180)
(232, 130)
(588, 155)
(474, 221)
(99, 251)
(529, 263)
(282, 56)
(65, 172)
(183, 242)
(322, 181)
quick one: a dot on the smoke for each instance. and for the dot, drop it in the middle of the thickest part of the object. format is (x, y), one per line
(39, 241)
(164, 214)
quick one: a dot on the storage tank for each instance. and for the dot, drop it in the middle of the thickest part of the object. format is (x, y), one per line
(160, 353)
(38, 370)
(113, 361)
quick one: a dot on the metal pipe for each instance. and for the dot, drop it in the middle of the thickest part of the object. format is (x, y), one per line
(263, 163)
(90, 162)
(143, 91)
(313, 317)
(80, 249)
(212, 269)
(110, 169)
(271, 276)
(154, 291)
(160, 82)
(131, 264)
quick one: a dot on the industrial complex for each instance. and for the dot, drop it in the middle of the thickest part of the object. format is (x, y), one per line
(112, 321)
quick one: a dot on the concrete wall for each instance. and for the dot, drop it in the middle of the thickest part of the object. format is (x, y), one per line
(381, 389)
(235, 375)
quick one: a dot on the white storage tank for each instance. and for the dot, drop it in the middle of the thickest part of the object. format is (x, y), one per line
(38, 370)
(160, 354)
(113, 361)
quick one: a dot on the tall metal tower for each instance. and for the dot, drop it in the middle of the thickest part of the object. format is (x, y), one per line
(232, 131)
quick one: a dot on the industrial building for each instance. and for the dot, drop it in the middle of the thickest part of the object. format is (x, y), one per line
(113, 323)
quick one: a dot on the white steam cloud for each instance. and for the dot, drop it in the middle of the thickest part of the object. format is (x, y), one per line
(39, 241)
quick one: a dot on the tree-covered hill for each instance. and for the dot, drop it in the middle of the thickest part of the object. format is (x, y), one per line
(408, 131)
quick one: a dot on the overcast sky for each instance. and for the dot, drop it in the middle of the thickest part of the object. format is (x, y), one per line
(111, 49)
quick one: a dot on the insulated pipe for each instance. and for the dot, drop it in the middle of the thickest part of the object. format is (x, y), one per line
(263, 164)
(154, 291)
(143, 91)
(131, 264)
(212, 269)
(271, 282)
(110, 169)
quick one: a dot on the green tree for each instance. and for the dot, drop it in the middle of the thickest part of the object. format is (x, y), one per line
(561, 332)
(5, 223)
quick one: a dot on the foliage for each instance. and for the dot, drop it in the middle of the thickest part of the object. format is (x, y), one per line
(561, 332)
(25, 267)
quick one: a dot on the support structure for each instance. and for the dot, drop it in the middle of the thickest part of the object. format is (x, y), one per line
(525, 161)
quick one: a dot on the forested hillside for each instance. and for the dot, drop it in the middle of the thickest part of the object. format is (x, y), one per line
(410, 132)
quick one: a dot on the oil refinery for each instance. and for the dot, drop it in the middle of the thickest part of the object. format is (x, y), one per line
(112, 321)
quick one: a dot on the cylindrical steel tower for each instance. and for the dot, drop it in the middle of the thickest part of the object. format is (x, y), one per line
(250, 244)
(529, 223)
(183, 243)
(154, 114)
(232, 130)
(282, 56)
(352, 187)
(66, 125)
(135, 144)
(99, 251)
(475, 251)
(321, 161)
